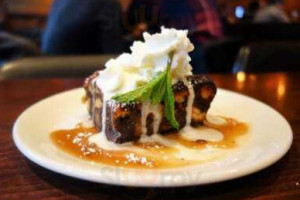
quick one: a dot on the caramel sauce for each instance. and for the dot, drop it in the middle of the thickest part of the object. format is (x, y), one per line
(75, 142)
(155, 147)
(198, 144)
(231, 131)
(152, 155)
(84, 99)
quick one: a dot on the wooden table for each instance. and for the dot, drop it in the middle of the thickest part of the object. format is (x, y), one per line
(22, 179)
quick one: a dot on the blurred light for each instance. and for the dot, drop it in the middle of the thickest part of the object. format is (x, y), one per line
(281, 89)
(239, 12)
(252, 77)
(241, 76)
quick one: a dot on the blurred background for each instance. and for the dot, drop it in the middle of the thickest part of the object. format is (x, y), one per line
(72, 38)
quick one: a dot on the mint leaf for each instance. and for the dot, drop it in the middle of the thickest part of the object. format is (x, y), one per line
(142, 93)
(157, 90)
(169, 99)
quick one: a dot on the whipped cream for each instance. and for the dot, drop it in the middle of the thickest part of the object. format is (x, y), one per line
(146, 60)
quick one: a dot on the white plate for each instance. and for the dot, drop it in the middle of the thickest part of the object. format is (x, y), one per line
(270, 137)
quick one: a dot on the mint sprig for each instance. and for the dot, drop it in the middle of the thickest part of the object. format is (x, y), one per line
(142, 93)
(157, 90)
(169, 100)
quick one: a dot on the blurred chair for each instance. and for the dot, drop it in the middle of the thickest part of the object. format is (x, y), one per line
(219, 55)
(53, 67)
(251, 32)
(269, 56)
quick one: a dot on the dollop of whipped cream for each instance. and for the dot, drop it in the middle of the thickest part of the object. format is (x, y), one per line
(146, 60)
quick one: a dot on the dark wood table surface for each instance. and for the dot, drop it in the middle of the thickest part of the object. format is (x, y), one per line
(22, 179)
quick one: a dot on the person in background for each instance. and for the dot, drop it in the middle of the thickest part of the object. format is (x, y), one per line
(272, 13)
(96, 26)
(251, 11)
(83, 27)
(200, 17)
(139, 16)
(142, 12)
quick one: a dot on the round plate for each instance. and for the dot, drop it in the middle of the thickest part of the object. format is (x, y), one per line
(270, 137)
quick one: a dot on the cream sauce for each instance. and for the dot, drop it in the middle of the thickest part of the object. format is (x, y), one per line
(201, 133)
(145, 111)
(157, 117)
(104, 114)
(190, 101)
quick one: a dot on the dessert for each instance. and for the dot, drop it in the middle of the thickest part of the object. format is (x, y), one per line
(150, 91)
(148, 111)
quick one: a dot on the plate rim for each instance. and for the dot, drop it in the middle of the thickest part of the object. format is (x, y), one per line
(56, 167)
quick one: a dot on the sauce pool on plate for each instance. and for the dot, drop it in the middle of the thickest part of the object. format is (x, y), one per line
(161, 151)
